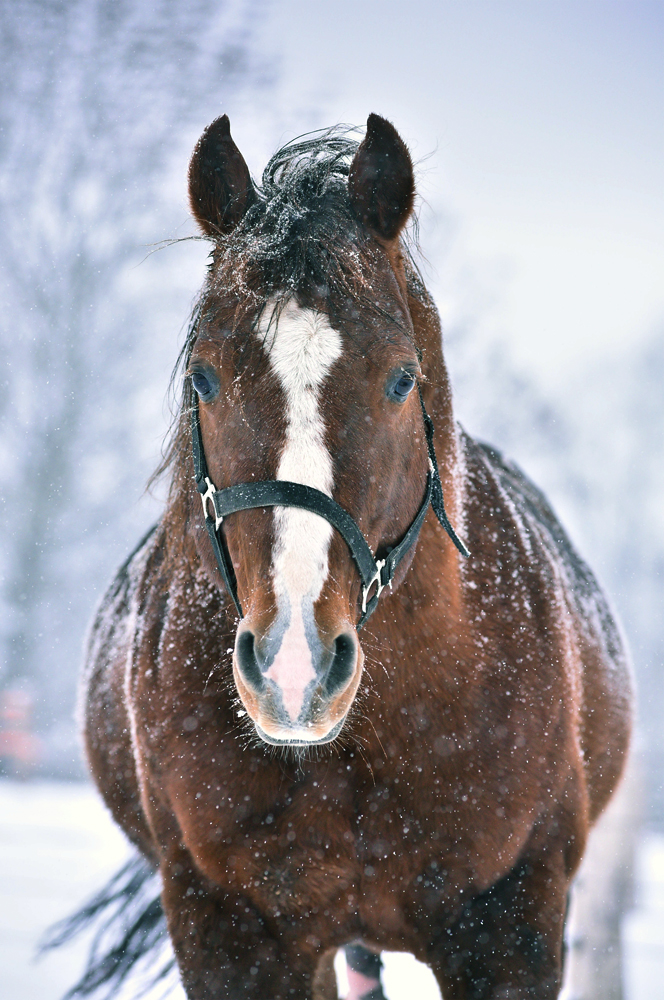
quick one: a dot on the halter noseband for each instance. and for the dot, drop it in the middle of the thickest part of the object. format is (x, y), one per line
(273, 493)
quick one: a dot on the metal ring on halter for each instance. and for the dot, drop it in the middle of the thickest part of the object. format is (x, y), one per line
(209, 495)
(380, 586)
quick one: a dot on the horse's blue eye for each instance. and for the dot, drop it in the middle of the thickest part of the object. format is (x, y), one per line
(404, 385)
(201, 385)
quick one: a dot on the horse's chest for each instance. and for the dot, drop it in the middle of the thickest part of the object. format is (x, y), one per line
(437, 837)
(296, 869)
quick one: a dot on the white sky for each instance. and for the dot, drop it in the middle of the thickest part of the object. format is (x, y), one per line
(545, 124)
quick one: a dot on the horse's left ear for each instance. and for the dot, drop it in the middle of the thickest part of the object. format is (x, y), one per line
(220, 187)
(381, 183)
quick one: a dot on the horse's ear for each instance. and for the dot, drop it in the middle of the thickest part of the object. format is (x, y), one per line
(220, 188)
(381, 183)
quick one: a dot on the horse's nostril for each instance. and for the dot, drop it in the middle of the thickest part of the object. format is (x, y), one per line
(343, 664)
(247, 663)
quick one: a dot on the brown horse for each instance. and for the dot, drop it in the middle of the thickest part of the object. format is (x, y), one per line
(436, 773)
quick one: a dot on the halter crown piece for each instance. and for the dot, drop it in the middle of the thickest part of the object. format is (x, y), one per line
(218, 504)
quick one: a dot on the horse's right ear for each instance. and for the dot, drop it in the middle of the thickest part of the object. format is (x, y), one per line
(220, 188)
(381, 183)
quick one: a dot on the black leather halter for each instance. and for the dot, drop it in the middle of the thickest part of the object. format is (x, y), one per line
(273, 493)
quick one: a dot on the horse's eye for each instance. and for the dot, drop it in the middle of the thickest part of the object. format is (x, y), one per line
(404, 385)
(202, 386)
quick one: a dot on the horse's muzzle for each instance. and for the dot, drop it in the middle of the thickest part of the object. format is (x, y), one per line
(296, 687)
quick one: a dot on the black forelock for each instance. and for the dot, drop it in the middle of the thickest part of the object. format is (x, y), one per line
(300, 233)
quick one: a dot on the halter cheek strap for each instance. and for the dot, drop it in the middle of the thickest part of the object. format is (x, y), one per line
(218, 504)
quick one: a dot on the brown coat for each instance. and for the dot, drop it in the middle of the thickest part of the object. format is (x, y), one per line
(487, 717)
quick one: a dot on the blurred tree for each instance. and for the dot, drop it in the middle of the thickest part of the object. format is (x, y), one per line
(100, 101)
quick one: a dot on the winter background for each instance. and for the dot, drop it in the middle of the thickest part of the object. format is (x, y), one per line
(538, 132)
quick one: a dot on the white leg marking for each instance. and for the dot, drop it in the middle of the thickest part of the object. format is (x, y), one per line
(302, 349)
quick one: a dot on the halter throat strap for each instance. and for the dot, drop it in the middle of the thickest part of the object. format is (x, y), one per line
(218, 504)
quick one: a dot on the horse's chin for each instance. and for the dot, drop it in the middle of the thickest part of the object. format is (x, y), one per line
(299, 738)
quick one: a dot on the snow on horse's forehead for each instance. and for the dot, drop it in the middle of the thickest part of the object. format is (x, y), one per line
(299, 234)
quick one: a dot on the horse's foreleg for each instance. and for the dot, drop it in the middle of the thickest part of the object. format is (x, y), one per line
(364, 968)
(325, 980)
(507, 944)
(224, 948)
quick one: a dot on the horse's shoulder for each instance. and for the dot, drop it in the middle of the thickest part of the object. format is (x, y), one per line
(504, 492)
(527, 499)
(123, 595)
(153, 591)
(523, 503)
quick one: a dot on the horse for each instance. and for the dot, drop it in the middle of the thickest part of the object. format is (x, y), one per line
(365, 695)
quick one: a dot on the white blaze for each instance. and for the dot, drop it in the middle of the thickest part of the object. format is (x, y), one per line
(302, 348)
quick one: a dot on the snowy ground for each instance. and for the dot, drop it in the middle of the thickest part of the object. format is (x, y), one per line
(58, 845)
(643, 928)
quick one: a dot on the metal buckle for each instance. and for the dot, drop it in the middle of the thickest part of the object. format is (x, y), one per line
(380, 587)
(209, 495)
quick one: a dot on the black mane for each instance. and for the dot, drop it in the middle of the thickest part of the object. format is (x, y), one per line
(300, 231)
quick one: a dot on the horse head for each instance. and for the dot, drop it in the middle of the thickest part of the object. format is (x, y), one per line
(304, 367)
